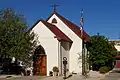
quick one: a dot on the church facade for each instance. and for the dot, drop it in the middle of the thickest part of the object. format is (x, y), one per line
(60, 38)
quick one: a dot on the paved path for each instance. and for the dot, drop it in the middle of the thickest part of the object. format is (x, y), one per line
(113, 76)
(22, 78)
(26, 78)
(74, 77)
(92, 76)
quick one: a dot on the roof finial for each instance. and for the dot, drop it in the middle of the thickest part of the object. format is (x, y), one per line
(54, 7)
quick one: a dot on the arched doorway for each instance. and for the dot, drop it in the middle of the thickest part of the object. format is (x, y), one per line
(39, 61)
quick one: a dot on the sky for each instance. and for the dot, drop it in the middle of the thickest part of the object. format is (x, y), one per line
(100, 16)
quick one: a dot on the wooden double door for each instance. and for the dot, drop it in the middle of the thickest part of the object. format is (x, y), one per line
(40, 62)
(40, 66)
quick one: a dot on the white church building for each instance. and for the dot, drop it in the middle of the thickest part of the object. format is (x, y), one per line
(60, 38)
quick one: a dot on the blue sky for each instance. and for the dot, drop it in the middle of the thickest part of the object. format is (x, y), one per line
(100, 16)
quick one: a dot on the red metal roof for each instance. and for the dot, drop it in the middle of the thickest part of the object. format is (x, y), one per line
(72, 26)
(117, 56)
(59, 34)
(117, 65)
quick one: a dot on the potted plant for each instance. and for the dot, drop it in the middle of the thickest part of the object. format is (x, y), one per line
(50, 73)
(55, 70)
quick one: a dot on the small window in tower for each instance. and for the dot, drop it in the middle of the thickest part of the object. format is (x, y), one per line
(54, 21)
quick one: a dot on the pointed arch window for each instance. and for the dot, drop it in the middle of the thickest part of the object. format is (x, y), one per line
(54, 20)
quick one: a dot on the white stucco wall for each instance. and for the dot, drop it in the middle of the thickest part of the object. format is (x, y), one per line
(117, 47)
(117, 44)
(49, 43)
(65, 53)
(75, 48)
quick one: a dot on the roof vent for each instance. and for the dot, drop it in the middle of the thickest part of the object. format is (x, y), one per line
(54, 20)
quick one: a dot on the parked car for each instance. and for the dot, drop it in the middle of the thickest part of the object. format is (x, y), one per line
(12, 68)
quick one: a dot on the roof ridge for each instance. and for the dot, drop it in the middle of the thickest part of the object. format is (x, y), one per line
(67, 20)
(34, 25)
(71, 25)
(59, 36)
(51, 15)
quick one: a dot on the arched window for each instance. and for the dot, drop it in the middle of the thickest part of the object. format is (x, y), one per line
(54, 20)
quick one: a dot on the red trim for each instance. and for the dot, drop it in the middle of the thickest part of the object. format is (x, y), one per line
(59, 34)
(117, 56)
(71, 25)
(34, 25)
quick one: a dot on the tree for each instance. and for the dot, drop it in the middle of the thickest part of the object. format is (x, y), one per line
(15, 40)
(101, 52)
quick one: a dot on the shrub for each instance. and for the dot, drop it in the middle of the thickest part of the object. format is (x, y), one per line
(104, 69)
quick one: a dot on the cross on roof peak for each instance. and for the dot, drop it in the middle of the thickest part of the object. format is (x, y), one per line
(54, 7)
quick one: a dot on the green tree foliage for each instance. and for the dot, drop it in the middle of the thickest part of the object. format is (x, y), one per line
(15, 40)
(101, 52)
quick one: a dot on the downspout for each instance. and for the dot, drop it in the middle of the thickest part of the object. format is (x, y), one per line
(69, 55)
(61, 56)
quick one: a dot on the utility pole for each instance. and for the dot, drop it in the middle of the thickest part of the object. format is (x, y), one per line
(83, 45)
(83, 57)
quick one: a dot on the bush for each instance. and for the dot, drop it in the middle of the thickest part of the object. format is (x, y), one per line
(104, 69)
